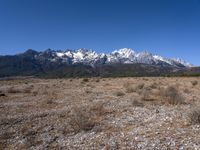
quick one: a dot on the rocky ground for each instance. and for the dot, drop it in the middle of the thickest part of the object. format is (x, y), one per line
(100, 113)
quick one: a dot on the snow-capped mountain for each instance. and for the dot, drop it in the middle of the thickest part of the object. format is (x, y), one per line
(84, 62)
(121, 56)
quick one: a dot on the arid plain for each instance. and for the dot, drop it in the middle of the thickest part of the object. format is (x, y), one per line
(100, 113)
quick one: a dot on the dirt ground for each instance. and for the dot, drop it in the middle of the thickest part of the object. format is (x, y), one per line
(100, 113)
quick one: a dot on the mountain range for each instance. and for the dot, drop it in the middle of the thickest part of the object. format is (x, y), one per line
(85, 62)
(121, 56)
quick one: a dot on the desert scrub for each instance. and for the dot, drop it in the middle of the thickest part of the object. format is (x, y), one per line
(140, 86)
(86, 117)
(136, 103)
(172, 96)
(20, 89)
(119, 93)
(195, 116)
(194, 83)
(85, 80)
(97, 80)
(147, 95)
(129, 88)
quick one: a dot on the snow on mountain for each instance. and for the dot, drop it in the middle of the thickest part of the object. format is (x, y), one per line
(124, 56)
(183, 62)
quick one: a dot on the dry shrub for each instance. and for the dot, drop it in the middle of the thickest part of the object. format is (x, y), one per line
(172, 95)
(28, 89)
(194, 83)
(140, 86)
(147, 95)
(13, 90)
(187, 91)
(88, 91)
(129, 88)
(85, 80)
(97, 80)
(50, 102)
(98, 108)
(195, 116)
(86, 117)
(20, 90)
(119, 93)
(137, 103)
(35, 93)
(154, 86)
(145, 79)
(2, 94)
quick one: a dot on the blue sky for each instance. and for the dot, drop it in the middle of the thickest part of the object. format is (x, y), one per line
(170, 28)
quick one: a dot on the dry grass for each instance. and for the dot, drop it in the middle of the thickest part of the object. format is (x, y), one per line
(85, 80)
(129, 87)
(140, 86)
(119, 93)
(86, 117)
(195, 116)
(173, 96)
(148, 95)
(19, 89)
(194, 83)
(72, 115)
(136, 103)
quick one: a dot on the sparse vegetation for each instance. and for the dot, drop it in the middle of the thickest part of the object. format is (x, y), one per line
(136, 103)
(85, 80)
(2, 94)
(194, 83)
(86, 117)
(97, 80)
(129, 87)
(19, 90)
(119, 93)
(187, 91)
(147, 95)
(88, 91)
(140, 86)
(195, 116)
(173, 96)
(56, 114)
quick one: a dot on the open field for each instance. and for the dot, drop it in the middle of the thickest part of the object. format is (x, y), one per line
(100, 113)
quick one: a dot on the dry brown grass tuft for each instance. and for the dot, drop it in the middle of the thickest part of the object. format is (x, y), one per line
(140, 86)
(13, 90)
(195, 116)
(85, 80)
(86, 117)
(88, 91)
(19, 89)
(173, 96)
(137, 103)
(119, 93)
(194, 83)
(154, 86)
(129, 88)
(187, 91)
(147, 95)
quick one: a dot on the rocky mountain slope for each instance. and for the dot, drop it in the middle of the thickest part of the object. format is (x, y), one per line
(84, 62)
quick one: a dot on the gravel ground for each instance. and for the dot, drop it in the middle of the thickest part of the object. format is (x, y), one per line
(100, 113)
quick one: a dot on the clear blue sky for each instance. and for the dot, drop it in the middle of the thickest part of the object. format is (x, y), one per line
(170, 28)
